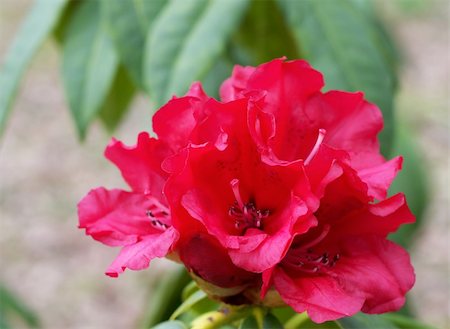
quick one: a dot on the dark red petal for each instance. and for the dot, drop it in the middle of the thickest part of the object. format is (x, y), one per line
(321, 297)
(209, 260)
(377, 270)
(115, 217)
(140, 165)
(138, 256)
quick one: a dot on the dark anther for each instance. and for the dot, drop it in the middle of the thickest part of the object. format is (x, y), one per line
(149, 213)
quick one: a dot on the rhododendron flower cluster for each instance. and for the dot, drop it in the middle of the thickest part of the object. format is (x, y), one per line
(276, 194)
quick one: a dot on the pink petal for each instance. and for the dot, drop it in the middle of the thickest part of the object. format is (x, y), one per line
(115, 217)
(378, 270)
(351, 123)
(141, 164)
(138, 256)
(321, 297)
(381, 219)
(380, 177)
(232, 88)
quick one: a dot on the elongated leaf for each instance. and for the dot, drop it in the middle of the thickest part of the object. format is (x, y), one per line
(403, 322)
(365, 321)
(190, 288)
(189, 303)
(89, 64)
(185, 41)
(412, 181)
(165, 298)
(129, 22)
(12, 305)
(250, 323)
(170, 325)
(264, 34)
(118, 99)
(43, 16)
(271, 322)
(337, 39)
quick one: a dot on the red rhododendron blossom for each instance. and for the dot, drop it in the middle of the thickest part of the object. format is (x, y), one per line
(278, 189)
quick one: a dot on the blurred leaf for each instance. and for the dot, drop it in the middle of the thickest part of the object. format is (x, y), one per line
(363, 321)
(249, 322)
(216, 76)
(284, 313)
(185, 41)
(264, 35)
(271, 322)
(338, 40)
(381, 36)
(129, 22)
(89, 64)
(118, 99)
(11, 306)
(403, 322)
(412, 181)
(189, 303)
(165, 297)
(65, 17)
(170, 325)
(37, 25)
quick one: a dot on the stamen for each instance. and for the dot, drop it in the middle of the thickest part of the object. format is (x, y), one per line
(246, 215)
(322, 235)
(158, 215)
(315, 149)
(237, 195)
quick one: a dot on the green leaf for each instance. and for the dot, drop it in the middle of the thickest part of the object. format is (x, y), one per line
(363, 321)
(89, 64)
(271, 322)
(165, 297)
(39, 22)
(188, 303)
(249, 322)
(129, 22)
(185, 41)
(338, 39)
(410, 180)
(10, 305)
(170, 325)
(403, 322)
(118, 99)
(220, 71)
(260, 31)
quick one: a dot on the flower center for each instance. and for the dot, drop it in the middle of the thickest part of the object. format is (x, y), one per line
(245, 215)
(159, 215)
(303, 257)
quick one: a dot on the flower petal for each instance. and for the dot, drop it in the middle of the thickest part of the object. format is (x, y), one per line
(380, 177)
(138, 256)
(376, 269)
(115, 217)
(140, 165)
(203, 255)
(320, 296)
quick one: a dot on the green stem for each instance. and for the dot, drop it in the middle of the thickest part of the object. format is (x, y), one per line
(225, 315)
(296, 321)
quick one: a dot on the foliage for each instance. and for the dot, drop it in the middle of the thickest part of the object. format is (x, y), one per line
(110, 49)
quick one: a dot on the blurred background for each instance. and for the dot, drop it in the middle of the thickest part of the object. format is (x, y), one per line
(44, 171)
